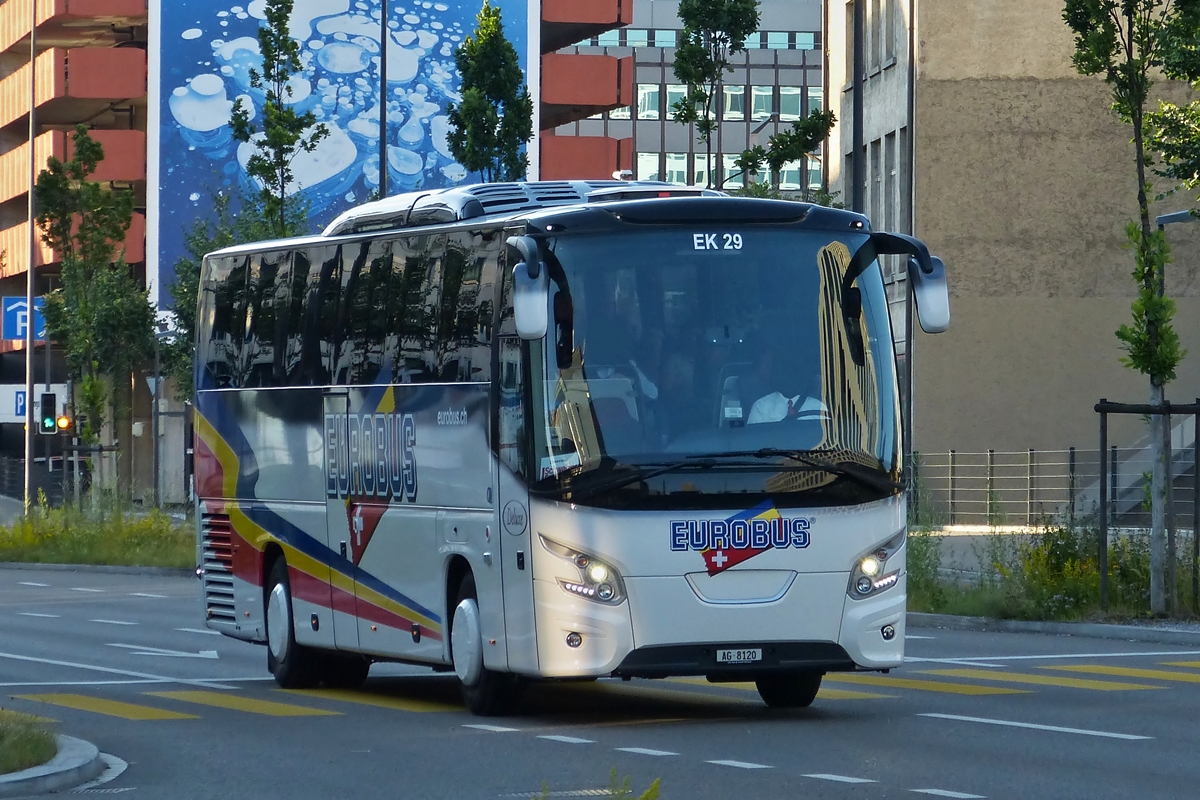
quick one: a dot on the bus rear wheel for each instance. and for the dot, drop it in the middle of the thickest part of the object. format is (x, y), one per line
(293, 665)
(486, 693)
(790, 689)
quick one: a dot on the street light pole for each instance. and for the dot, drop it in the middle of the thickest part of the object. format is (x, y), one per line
(29, 316)
(384, 38)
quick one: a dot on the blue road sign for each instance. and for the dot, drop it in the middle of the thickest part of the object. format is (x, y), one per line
(19, 410)
(16, 318)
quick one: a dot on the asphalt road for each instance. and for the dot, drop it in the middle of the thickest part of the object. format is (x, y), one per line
(123, 662)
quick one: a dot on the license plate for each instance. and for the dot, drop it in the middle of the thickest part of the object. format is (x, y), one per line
(739, 656)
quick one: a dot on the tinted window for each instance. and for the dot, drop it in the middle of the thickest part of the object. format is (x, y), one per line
(363, 319)
(321, 270)
(263, 346)
(222, 311)
(470, 270)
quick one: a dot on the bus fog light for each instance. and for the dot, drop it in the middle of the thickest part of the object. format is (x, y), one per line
(888, 632)
(605, 591)
(574, 639)
(863, 586)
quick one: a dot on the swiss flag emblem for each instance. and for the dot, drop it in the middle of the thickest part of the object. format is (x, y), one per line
(363, 519)
(720, 559)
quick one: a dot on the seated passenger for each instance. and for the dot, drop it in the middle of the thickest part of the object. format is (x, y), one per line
(782, 390)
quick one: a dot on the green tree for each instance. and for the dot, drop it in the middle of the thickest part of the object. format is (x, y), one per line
(713, 30)
(1128, 42)
(785, 147)
(495, 118)
(284, 132)
(100, 315)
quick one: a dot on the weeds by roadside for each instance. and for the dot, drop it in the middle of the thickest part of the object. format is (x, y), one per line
(616, 788)
(111, 535)
(24, 742)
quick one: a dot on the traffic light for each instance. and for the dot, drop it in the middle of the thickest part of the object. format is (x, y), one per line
(49, 412)
(64, 423)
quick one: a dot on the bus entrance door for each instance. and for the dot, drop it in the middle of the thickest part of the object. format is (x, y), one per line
(516, 558)
(336, 426)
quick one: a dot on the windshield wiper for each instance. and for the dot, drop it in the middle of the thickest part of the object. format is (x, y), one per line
(625, 480)
(809, 458)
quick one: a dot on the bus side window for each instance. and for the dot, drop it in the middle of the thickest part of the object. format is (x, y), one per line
(416, 274)
(323, 297)
(512, 405)
(266, 292)
(468, 299)
(363, 331)
(220, 294)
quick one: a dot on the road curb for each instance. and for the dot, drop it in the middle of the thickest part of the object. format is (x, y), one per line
(76, 762)
(1092, 630)
(172, 572)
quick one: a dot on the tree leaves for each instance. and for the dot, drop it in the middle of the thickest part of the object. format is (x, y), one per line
(495, 118)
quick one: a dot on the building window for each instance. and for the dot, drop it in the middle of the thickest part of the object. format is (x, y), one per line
(636, 37)
(889, 182)
(874, 33)
(648, 98)
(814, 171)
(677, 169)
(664, 38)
(647, 167)
(620, 113)
(762, 102)
(789, 103)
(675, 94)
(699, 172)
(777, 40)
(734, 177)
(806, 41)
(735, 103)
(816, 97)
(789, 177)
(876, 185)
(609, 39)
(889, 31)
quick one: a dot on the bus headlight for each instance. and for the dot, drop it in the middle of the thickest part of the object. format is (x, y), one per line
(597, 580)
(871, 574)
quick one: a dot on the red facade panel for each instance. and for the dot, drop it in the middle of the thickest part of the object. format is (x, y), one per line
(577, 86)
(105, 72)
(584, 157)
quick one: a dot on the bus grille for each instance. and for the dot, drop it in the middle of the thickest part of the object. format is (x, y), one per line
(218, 563)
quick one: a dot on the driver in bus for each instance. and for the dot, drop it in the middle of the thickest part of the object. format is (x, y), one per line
(797, 396)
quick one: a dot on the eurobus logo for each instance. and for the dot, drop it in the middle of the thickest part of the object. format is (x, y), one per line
(725, 543)
(370, 455)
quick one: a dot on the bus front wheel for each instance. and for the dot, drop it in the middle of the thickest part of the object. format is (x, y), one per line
(485, 692)
(789, 690)
(294, 666)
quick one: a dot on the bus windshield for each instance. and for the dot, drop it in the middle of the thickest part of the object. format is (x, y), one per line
(688, 363)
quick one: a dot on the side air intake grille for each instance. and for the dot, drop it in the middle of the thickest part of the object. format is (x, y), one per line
(217, 560)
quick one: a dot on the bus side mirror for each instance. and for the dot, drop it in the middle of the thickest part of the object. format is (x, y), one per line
(531, 290)
(931, 293)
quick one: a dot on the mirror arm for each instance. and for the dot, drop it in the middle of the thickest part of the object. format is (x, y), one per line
(527, 246)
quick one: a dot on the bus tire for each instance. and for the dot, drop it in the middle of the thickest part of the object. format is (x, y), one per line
(293, 665)
(486, 693)
(789, 689)
(344, 671)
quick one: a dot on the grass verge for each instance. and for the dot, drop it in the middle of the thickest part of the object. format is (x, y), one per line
(24, 742)
(112, 536)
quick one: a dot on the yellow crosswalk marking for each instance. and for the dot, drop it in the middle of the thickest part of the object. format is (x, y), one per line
(924, 686)
(1038, 680)
(1132, 672)
(1188, 664)
(825, 693)
(235, 702)
(112, 708)
(378, 700)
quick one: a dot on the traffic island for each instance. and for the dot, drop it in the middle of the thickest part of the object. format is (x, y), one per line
(75, 762)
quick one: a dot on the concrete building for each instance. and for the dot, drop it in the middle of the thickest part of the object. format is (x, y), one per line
(982, 139)
(775, 82)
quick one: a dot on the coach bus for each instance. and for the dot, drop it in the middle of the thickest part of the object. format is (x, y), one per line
(558, 431)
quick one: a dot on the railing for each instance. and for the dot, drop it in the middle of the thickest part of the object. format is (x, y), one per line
(1027, 487)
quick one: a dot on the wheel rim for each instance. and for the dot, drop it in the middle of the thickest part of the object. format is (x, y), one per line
(279, 622)
(466, 642)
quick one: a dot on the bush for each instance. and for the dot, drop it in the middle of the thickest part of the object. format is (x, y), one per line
(113, 535)
(925, 588)
(24, 742)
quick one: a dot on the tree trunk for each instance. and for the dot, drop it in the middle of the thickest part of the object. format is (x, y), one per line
(1158, 506)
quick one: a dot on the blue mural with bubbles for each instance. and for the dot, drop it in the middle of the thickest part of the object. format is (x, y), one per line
(207, 50)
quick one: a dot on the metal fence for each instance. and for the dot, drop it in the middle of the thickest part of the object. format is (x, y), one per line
(1028, 487)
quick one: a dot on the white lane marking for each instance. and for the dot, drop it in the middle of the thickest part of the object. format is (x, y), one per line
(959, 661)
(31, 583)
(977, 659)
(199, 630)
(568, 739)
(88, 683)
(81, 589)
(492, 728)
(144, 594)
(112, 621)
(1036, 727)
(738, 764)
(947, 793)
(645, 751)
(206, 683)
(114, 768)
(142, 650)
(913, 636)
(825, 776)
(32, 614)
